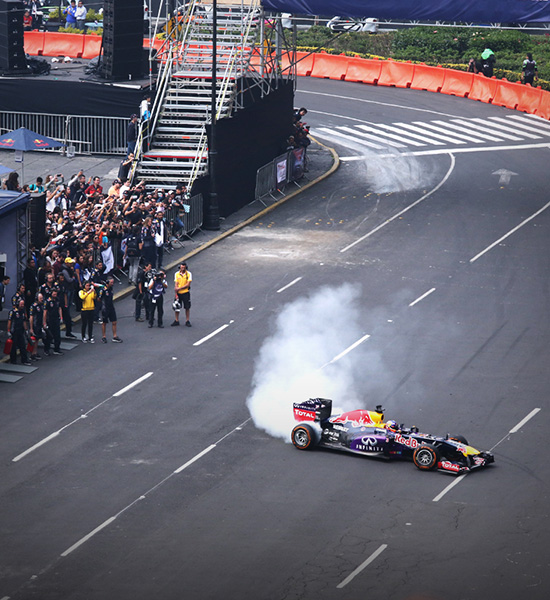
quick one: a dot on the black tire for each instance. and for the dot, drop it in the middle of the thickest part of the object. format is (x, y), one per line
(459, 438)
(304, 437)
(426, 457)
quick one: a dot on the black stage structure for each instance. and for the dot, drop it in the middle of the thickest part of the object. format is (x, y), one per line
(251, 138)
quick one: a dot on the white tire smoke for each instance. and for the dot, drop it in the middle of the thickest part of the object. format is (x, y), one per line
(292, 363)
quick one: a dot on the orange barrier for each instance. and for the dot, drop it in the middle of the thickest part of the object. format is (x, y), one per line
(34, 42)
(543, 109)
(427, 78)
(329, 66)
(363, 70)
(529, 99)
(457, 83)
(304, 64)
(92, 46)
(63, 44)
(483, 88)
(508, 94)
(396, 74)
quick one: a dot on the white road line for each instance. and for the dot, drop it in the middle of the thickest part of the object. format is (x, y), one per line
(156, 486)
(82, 416)
(194, 459)
(449, 487)
(133, 384)
(359, 135)
(348, 349)
(289, 285)
(422, 297)
(362, 566)
(403, 133)
(523, 421)
(531, 120)
(434, 152)
(513, 430)
(450, 134)
(469, 132)
(87, 537)
(385, 104)
(429, 136)
(333, 133)
(478, 124)
(211, 335)
(522, 127)
(385, 134)
(396, 216)
(509, 233)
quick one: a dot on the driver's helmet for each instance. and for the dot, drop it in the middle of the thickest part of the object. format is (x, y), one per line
(176, 305)
(392, 426)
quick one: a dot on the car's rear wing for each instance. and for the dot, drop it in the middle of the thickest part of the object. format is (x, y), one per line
(314, 409)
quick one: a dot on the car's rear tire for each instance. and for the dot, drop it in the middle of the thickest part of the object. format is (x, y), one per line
(304, 437)
(426, 457)
(459, 438)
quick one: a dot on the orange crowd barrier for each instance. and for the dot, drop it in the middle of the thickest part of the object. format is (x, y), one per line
(363, 70)
(396, 74)
(427, 78)
(457, 83)
(304, 63)
(329, 66)
(34, 42)
(529, 99)
(483, 88)
(92, 46)
(508, 94)
(543, 109)
(63, 44)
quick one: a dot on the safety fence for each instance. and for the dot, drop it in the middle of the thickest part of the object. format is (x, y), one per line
(286, 168)
(501, 92)
(83, 134)
(74, 45)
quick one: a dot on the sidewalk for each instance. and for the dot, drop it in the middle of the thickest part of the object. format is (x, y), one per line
(322, 161)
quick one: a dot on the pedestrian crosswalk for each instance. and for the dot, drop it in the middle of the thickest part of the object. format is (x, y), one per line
(442, 134)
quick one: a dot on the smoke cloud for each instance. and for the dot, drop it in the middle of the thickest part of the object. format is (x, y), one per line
(293, 363)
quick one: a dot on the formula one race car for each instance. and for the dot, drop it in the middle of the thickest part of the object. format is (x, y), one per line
(365, 432)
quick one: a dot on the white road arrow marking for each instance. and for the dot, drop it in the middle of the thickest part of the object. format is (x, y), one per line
(504, 176)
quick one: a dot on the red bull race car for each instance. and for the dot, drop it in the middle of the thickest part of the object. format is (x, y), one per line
(365, 432)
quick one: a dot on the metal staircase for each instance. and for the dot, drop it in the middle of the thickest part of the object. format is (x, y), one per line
(176, 152)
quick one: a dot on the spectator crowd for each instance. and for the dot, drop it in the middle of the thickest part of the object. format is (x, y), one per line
(91, 234)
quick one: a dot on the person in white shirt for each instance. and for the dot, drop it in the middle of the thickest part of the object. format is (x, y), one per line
(80, 15)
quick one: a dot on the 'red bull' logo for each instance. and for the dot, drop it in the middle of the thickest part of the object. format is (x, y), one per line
(356, 418)
(7, 143)
(40, 143)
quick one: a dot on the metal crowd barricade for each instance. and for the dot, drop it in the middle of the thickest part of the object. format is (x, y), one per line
(284, 169)
(88, 135)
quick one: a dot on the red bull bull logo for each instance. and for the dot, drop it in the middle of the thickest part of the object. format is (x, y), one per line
(7, 143)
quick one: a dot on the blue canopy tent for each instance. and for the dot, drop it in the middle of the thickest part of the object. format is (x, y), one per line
(25, 140)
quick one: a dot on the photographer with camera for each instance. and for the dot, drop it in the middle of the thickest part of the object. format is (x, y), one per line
(157, 288)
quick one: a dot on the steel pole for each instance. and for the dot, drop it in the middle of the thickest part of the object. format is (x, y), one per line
(212, 213)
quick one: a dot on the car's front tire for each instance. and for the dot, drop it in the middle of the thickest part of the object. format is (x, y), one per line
(426, 457)
(304, 437)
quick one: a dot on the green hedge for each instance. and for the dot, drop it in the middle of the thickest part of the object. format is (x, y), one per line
(451, 47)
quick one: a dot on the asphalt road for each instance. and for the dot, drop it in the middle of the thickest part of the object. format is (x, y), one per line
(171, 490)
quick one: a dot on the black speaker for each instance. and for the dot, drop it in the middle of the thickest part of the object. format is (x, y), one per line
(122, 39)
(38, 220)
(12, 51)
